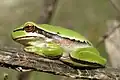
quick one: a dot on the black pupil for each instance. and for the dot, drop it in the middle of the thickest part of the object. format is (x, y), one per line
(29, 28)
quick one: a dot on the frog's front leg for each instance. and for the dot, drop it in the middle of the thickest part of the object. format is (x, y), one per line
(49, 50)
(89, 56)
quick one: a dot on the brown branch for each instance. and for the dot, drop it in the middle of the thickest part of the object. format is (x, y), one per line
(102, 39)
(107, 34)
(13, 58)
(114, 5)
(49, 8)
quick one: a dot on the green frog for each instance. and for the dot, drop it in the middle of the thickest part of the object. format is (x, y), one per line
(55, 42)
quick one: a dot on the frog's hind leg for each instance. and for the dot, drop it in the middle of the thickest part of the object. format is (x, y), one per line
(89, 56)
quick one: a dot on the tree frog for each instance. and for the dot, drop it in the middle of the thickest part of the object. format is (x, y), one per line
(56, 42)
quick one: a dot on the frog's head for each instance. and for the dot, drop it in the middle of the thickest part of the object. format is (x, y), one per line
(27, 32)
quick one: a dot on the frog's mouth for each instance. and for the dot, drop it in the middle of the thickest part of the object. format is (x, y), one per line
(29, 37)
(24, 40)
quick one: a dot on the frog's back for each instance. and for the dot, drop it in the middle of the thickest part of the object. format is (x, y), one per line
(63, 32)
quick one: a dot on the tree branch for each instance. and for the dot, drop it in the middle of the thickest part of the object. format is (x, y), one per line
(49, 8)
(115, 5)
(115, 24)
(13, 58)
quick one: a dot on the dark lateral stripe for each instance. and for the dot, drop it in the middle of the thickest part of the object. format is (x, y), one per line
(23, 37)
(81, 67)
(18, 30)
(49, 35)
(86, 62)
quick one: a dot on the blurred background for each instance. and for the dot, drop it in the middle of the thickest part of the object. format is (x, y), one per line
(92, 18)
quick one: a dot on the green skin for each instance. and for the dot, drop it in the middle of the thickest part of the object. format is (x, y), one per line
(56, 42)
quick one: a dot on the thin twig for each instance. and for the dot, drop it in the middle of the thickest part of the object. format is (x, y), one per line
(49, 8)
(107, 34)
(114, 5)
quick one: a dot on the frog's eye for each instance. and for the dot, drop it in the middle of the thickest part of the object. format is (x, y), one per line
(29, 28)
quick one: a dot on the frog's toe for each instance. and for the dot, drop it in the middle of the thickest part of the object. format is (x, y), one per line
(29, 49)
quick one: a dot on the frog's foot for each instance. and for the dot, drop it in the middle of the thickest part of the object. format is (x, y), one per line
(50, 50)
(33, 49)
